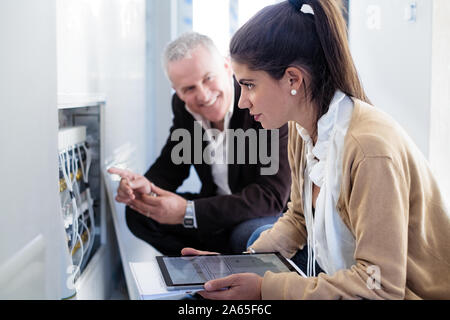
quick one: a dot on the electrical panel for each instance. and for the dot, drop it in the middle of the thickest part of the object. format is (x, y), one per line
(80, 184)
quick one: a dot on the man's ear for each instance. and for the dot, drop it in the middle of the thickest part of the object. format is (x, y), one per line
(227, 64)
(179, 94)
(295, 77)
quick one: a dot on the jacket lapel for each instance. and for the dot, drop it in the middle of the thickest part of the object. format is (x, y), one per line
(236, 122)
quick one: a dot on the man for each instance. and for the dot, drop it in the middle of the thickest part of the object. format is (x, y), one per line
(236, 196)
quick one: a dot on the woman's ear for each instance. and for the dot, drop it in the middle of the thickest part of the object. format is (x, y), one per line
(294, 76)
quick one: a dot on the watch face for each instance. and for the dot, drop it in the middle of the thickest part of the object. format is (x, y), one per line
(188, 222)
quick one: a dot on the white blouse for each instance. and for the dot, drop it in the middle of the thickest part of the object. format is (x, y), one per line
(329, 240)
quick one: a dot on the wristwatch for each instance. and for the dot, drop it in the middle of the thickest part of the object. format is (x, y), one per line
(189, 215)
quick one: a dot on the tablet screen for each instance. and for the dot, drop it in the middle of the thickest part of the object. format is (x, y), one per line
(196, 270)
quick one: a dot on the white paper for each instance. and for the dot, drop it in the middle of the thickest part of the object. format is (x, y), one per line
(151, 284)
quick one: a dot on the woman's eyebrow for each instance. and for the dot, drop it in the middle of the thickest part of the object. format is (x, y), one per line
(242, 81)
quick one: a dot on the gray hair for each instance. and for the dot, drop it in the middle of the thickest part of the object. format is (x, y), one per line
(181, 47)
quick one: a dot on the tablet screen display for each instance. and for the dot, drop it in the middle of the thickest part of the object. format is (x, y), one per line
(196, 270)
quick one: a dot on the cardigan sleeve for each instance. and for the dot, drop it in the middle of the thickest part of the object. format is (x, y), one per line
(377, 203)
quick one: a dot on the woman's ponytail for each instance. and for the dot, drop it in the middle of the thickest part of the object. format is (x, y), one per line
(332, 33)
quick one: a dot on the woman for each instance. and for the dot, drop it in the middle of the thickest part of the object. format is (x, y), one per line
(363, 202)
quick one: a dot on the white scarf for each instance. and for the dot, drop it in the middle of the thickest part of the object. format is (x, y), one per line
(330, 242)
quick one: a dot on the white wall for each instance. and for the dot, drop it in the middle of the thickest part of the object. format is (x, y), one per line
(405, 68)
(212, 18)
(50, 49)
(30, 223)
(101, 49)
(393, 57)
(439, 139)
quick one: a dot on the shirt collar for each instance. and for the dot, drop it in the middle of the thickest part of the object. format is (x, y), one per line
(325, 123)
(333, 123)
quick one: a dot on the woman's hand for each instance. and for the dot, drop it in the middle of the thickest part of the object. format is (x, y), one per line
(241, 286)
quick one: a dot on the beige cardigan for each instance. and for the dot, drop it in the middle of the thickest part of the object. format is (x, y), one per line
(390, 202)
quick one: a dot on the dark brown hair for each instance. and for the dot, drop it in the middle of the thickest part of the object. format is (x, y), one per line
(280, 36)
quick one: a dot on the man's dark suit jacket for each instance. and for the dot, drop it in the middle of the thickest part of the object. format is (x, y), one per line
(253, 195)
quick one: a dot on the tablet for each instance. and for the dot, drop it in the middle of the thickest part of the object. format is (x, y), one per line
(191, 272)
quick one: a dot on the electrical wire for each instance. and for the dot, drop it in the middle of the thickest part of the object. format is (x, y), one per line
(65, 168)
(88, 194)
(82, 254)
(70, 165)
(79, 213)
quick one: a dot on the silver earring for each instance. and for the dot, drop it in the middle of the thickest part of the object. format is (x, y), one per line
(293, 92)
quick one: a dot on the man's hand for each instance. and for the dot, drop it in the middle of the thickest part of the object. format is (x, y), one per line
(131, 185)
(166, 207)
(241, 286)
